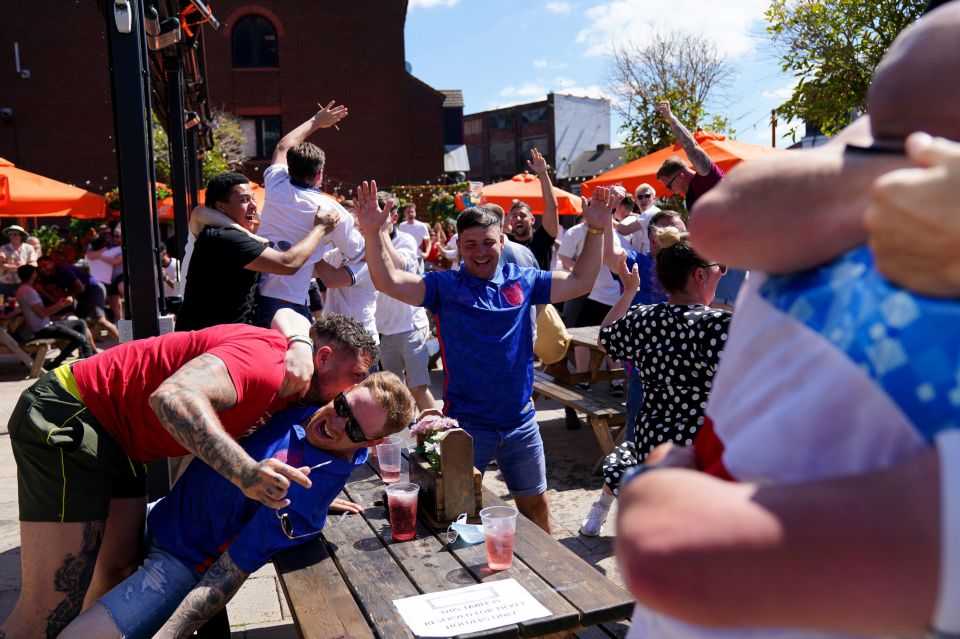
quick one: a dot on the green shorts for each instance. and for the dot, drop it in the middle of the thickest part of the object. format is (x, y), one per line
(68, 467)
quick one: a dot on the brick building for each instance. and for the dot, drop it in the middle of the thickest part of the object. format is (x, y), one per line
(561, 127)
(269, 64)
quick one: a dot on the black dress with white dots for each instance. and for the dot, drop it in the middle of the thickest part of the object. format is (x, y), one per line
(677, 351)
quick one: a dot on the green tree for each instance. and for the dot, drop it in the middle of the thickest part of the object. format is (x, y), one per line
(684, 68)
(832, 47)
(226, 155)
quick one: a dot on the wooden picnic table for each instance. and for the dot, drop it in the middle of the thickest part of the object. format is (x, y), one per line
(345, 582)
(586, 337)
(32, 353)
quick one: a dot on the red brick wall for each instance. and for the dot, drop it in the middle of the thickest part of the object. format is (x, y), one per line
(352, 52)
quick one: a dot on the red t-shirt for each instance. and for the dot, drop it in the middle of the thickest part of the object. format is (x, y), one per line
(116, 385)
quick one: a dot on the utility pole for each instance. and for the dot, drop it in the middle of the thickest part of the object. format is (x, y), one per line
(773, 128)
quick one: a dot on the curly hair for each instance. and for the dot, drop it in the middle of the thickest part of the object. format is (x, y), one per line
(344, 334)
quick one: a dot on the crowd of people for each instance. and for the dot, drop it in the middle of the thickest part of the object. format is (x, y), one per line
(789, 464)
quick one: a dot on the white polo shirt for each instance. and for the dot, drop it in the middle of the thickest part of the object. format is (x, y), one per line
(288, 213)
(393, 316)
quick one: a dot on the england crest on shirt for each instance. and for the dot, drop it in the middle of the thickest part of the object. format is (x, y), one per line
(513, 294)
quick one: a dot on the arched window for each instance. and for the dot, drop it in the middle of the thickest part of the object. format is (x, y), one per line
(254, 42)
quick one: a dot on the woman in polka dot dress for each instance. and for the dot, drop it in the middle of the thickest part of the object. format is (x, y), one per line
(676, 347)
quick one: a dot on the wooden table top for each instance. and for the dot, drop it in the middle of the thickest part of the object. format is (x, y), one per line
(346, 582)
(585, 336)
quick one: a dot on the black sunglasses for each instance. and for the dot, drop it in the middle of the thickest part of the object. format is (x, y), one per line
(287, 527)
(645, 196)
(352, 427)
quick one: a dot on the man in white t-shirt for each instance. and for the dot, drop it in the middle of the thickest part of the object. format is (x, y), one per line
(414, 227)
(13, 255)
(350, 291)
(404, 329)
(291, 203)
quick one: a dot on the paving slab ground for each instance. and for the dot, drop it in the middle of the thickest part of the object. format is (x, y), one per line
(259, 610)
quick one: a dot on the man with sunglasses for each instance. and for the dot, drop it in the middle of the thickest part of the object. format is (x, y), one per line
(206, 539)
(83, 434)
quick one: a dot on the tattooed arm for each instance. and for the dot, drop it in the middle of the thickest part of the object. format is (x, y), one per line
(698, 157)
(220, 583)
(406, 287)
(186, 404)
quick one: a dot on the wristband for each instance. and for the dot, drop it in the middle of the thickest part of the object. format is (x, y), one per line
(594, 231)
(946, 615)
(303, 339)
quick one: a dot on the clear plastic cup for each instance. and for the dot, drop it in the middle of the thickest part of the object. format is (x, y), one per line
(499, 533)
(402, 503)
(388, 455)
(392, 439)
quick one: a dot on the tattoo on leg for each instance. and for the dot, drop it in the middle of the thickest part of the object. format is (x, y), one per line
(73, 578)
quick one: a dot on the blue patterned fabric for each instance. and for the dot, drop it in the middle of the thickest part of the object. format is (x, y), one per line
(908, 344)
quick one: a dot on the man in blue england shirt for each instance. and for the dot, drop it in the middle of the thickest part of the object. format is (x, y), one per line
(205, 538)
(486, 333)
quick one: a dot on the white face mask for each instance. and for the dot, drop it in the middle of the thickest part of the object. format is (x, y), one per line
(470, 533)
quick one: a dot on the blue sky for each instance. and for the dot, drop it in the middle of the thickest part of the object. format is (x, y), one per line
(502, 52)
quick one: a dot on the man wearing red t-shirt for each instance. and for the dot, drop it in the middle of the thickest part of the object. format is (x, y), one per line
(81, 436)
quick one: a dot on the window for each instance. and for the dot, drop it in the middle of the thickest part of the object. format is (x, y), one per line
(540, 142)
(499, 121)
(261, 135)
(473, 127)
(536, 114)
(501, 151)
(475, 155)
(254, 43)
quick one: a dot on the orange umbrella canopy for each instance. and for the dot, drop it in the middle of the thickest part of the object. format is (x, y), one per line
(725, 153)
(526, 188)
(26, 194)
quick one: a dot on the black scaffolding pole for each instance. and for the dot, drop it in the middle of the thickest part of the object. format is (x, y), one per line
(131, 117)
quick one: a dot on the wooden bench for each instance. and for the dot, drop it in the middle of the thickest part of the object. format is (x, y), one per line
(32, 353)
(602, 414)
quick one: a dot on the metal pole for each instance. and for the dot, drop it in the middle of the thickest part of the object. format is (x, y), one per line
(124, 24)
(173, 68)
(773, 128)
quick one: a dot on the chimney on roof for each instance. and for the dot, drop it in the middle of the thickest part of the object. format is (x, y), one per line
(603, 147)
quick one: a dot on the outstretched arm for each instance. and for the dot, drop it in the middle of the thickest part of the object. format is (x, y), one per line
(371, 219)
(325, 117)
(698, 157)
(631, 283)
(289, 262)
(218, 586)
(186, 404)
(579, 281)
(798, 209)
(551, 218)
(857, 554)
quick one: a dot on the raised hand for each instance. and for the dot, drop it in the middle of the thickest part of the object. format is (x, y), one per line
(370, 217)
(537, 163)
(663, 108)
(596, 211)
(630, 277)
(330, 114)
(267, 482)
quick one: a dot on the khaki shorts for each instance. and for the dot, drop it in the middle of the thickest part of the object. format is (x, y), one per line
(68, 467)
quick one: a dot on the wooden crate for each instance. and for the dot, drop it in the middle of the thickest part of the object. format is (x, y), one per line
(457, 488)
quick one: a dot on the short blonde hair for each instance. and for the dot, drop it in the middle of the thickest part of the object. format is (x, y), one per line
(393, 396)
(644, 187)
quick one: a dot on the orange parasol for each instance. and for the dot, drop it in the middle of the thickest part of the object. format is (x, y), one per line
(725, 153)
(526, 188)
(26, 194)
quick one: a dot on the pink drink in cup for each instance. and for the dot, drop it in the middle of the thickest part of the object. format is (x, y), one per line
(388, 456)
(392, 439)
(402, 503)
(499, 532)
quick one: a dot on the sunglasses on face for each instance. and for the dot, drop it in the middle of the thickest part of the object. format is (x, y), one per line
(722, 267)
(352, 427)
(670, 182)
(646, 196)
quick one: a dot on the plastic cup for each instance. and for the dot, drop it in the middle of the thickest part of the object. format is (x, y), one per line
(499, 532)
(402, 503)
(388, 454)
(392, 439)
